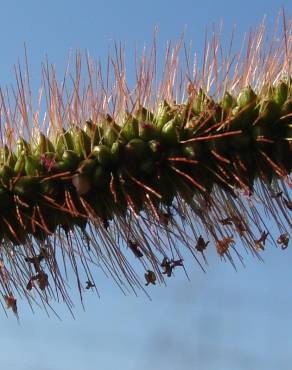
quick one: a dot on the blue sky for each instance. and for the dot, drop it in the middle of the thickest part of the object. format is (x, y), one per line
(221, 320)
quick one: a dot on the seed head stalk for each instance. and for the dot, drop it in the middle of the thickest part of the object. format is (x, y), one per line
(128, 179)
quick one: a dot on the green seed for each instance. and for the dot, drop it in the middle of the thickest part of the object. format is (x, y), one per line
(193, 150)
(111, 130)
(246, 97)
(32, 165)
(287, 108)
(199, 102)
(64, 141)
(228, 102)
(137, 149)
(44, 145)
(70, 155)
(117, 150)
(163, 115)
(81, 142)
(7, 157)
(111, 135)
(129, 129)
(103, 154)
(19, 165)
(70, 161)
(6, 174)
(155, 148)
(243, 118)
(281, 93)
(22, 147)
(87, 166)
(62, 166)
(269, 111)
(147, 131)
(94, 132)
(170, 133)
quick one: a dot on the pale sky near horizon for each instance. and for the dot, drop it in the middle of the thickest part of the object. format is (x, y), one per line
(219, 320)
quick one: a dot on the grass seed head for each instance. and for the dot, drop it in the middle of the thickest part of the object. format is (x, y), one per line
(113, 173)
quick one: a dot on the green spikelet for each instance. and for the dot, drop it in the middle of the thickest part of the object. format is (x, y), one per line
(163, 115)
(64, 141)
(281, 93)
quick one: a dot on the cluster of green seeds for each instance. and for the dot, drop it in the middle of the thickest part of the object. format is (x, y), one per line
(106, 167)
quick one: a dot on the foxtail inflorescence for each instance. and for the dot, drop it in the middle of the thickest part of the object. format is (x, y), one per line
(201, 161)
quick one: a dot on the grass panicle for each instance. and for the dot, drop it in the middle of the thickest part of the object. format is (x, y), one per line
(128, 180)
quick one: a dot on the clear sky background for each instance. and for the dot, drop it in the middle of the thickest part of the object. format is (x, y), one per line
(221, 320)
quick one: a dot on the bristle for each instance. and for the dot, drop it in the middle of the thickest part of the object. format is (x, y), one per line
(200, 160)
